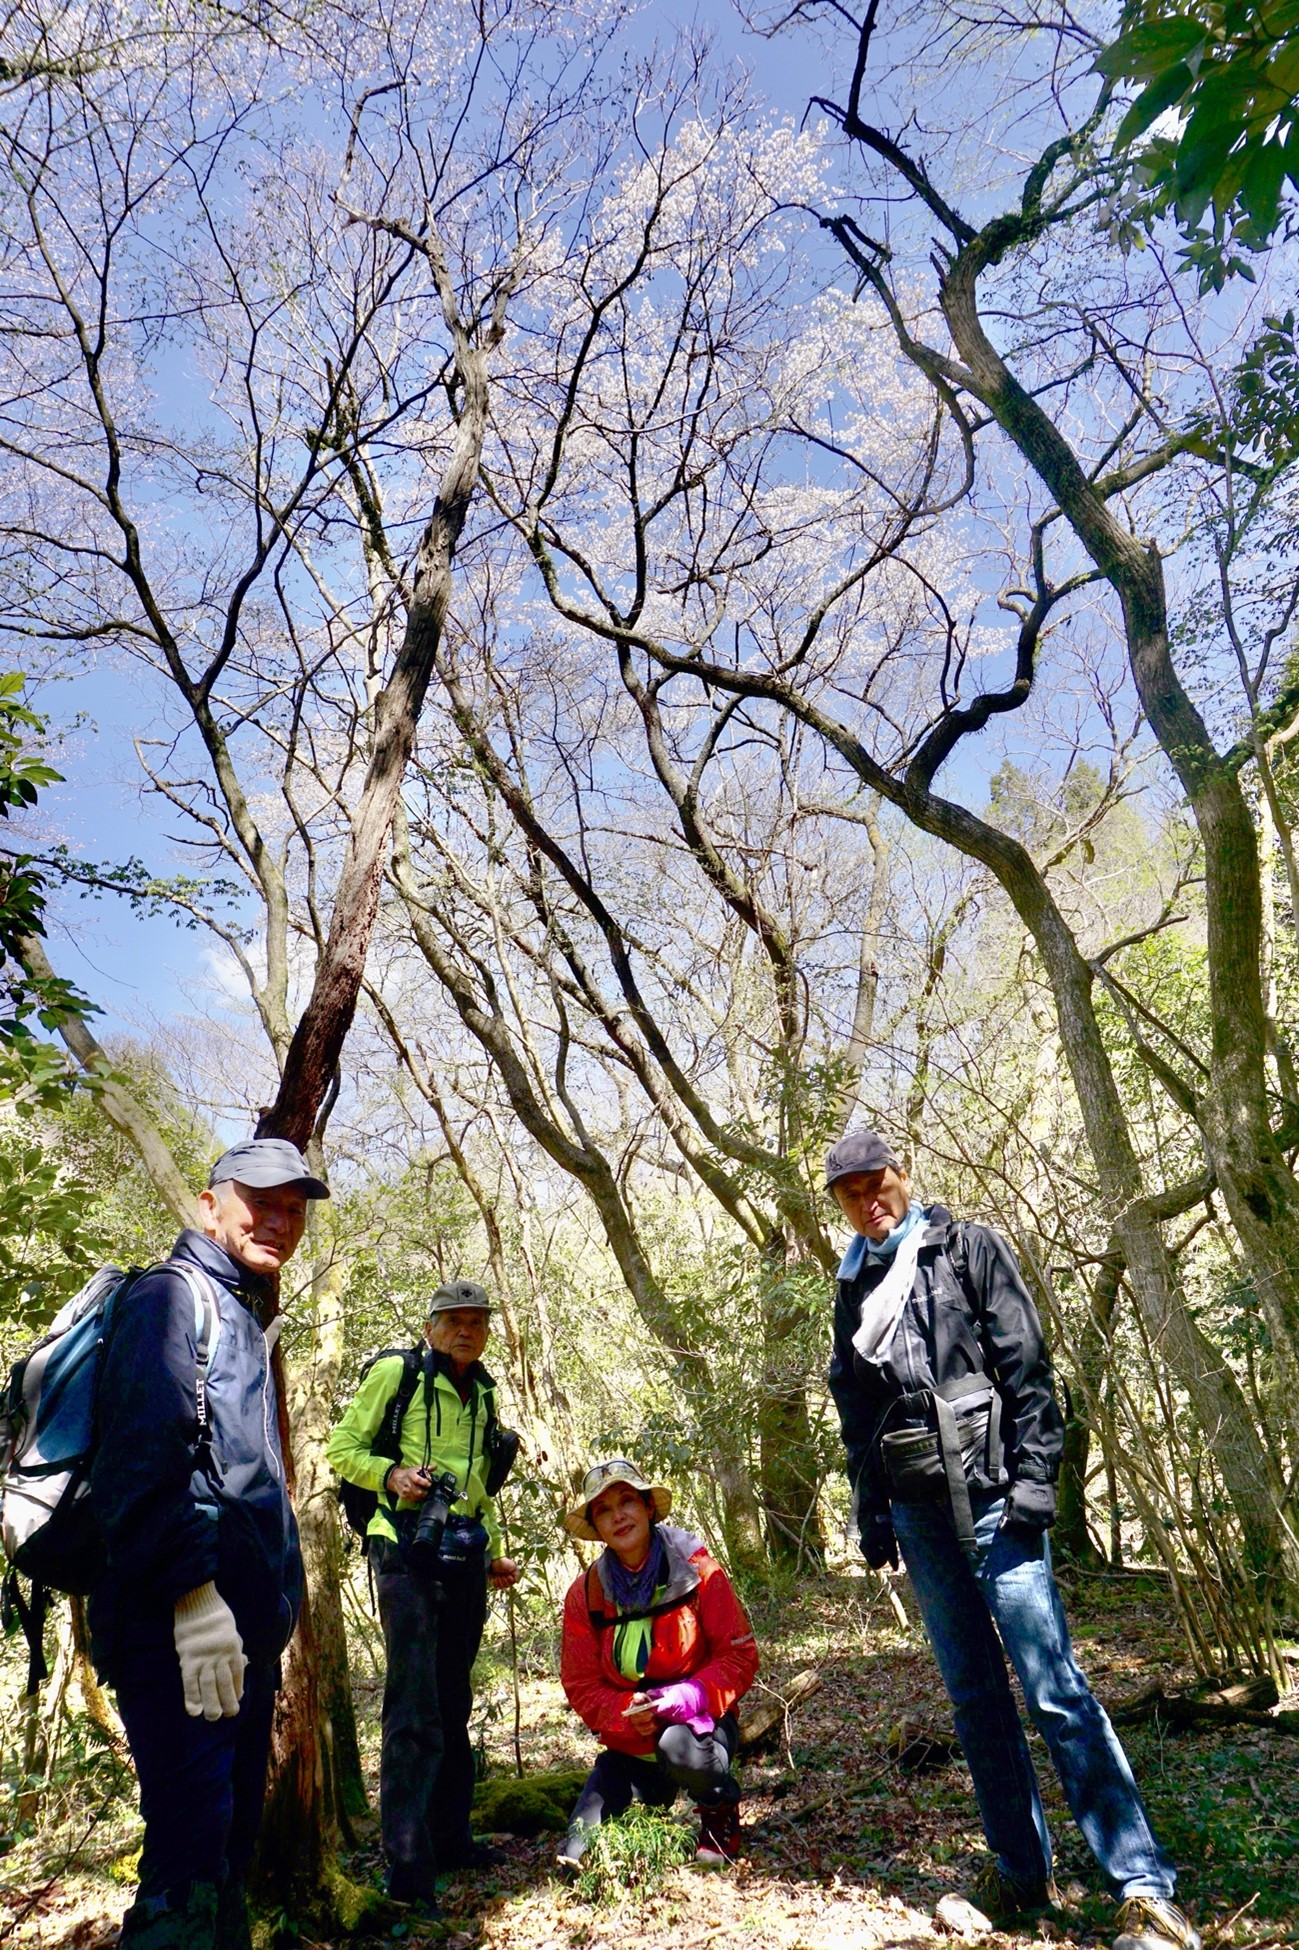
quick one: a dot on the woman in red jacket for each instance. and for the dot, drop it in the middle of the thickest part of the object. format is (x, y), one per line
(657, 1651)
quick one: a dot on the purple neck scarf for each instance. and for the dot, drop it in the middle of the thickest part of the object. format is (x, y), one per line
(634, 1590)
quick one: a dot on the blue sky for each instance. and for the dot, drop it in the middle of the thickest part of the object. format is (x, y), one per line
(138, 968)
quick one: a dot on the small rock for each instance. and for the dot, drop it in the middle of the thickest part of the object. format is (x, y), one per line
(954, 1913)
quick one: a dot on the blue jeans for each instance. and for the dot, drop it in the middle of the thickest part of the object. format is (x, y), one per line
(1009, 1588)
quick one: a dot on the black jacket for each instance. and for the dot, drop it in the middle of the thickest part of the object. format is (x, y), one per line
(168, 1524)
(983, 1322)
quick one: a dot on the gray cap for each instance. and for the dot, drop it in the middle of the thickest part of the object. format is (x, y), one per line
(458, 1293)
(263, 1162)
(859, 1151)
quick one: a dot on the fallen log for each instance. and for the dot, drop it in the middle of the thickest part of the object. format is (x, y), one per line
(760, 1717)
(1236, 1703)
(1253, 1690)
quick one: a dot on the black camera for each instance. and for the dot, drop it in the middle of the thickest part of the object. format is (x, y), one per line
(426, 1544)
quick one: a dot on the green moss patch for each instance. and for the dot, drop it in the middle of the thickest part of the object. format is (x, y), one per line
(539, 1804)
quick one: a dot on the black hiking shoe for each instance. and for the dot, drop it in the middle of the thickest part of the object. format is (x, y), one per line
(719, 1834)
(473, 1855)
(418, 1892)
(232, 1930)
(1153, 1923)
(184, 1918)
(1005, 1899)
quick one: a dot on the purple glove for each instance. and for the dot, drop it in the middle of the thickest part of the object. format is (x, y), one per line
(683, 1704)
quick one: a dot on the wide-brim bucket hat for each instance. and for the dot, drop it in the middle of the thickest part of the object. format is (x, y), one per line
(602, 1476)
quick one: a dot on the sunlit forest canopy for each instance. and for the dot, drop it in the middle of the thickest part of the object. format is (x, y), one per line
(594, 597)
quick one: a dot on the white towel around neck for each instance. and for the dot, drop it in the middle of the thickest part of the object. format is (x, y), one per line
(881, 1310)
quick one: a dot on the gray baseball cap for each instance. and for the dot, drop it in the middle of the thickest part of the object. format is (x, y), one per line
(860, 1150)
(458, 1293)
(263, 1162)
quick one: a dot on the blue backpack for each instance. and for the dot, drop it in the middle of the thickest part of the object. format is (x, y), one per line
(47, 1445)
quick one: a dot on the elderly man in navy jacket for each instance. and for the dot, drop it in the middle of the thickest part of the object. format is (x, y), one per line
(204, 1575)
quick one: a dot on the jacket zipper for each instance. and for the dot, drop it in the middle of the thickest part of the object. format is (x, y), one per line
(463, 1496)
(272, 1439)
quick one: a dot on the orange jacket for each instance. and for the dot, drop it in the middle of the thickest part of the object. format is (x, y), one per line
(703, 1635)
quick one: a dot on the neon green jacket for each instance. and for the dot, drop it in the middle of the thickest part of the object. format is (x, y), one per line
(438, 1432)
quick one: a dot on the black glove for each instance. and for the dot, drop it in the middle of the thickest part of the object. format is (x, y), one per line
(878, 1544)
(1030, 1507)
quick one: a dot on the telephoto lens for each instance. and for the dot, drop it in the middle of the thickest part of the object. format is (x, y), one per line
(427, 1540)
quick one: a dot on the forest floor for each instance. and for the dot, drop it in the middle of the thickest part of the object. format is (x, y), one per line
(845, 1843)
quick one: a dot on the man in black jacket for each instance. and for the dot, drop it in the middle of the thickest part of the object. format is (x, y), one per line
(944, 1391)
(204, 1575)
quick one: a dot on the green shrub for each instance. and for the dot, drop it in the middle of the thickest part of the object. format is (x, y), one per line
(635, 1852)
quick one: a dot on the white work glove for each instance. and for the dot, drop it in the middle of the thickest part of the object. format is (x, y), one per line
(211, 1654)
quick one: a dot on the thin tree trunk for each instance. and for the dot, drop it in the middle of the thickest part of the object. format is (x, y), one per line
(322, 1028)
(584, 1161)
(1233, 1111)
(787, 1468)
(1072, 1535)
(299, 1830)
(868, 974)
(313, 1384)
(1260, 1192)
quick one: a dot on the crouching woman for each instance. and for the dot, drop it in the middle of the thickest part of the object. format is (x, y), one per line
(657, 1652)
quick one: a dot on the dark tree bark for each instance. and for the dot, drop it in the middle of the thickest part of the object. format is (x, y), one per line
(299, 1830)
(317, 1043)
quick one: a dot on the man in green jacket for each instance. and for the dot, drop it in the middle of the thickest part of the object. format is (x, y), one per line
(432, 1616)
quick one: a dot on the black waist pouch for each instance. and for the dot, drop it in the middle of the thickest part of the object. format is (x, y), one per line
(963, 1446)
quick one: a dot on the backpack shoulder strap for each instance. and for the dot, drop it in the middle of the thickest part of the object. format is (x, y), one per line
(387, 1437)
(29, 1614)
(412, 1361)
(207, 1329)
(604, 1620)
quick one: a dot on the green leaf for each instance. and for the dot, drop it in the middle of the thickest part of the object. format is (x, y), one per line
(1283, 70)
(1202, 155)
(1152, 102)
(1145, 52)
(1260, 189)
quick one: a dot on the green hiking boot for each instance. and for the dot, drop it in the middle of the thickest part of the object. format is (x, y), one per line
(1153, 1923)
(180, 1919)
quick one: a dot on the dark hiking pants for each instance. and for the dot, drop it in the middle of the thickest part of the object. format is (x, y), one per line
(426, 1772)
(681, 1759)
(202, 1783)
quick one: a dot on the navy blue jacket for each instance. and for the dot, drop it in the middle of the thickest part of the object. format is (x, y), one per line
(168, 1524)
